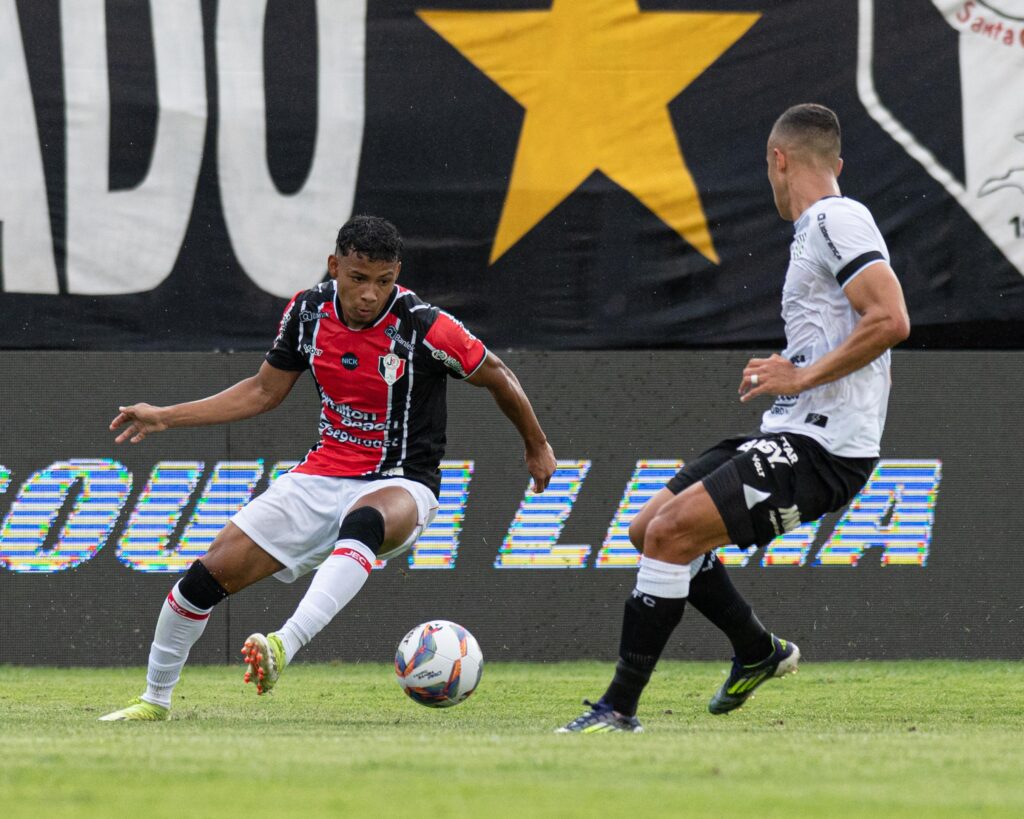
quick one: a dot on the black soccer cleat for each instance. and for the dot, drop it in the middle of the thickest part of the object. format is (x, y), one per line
(601, 718)
(743, 680)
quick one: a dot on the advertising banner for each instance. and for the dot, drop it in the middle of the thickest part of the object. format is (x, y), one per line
(923, 563)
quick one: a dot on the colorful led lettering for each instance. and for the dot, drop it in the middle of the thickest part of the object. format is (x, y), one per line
(144, 546)
(791, 549)
(228, 489)
(649, 476)
(438, 546)
(105, 485)
(734, 556)
(532, 539)
(280, 468)
(895, 511)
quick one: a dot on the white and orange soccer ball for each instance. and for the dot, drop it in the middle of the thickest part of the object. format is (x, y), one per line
(439, 664)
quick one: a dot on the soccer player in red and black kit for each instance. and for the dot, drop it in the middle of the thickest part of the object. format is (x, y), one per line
(380, 358)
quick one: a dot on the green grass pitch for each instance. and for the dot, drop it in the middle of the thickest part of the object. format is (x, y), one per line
(913, 739)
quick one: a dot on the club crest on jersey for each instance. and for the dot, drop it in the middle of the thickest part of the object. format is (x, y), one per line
(391, 368)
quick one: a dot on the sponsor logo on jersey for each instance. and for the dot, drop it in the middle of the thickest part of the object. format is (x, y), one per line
(783, 404)
(309, 315)
(449, 360)
(776, 450)
(309, 349)
(758, 466)
(828, 239)
(284, 323)
(817, 419)
(394, 472)
(391, 368)
(344, 436)
(392, 332)
(349, 361)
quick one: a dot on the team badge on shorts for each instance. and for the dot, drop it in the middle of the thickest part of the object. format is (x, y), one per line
(391, 368)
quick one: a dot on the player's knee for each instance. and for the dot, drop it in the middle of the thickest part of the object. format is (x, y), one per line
(669, 537)
(200, 588)
(365, 524)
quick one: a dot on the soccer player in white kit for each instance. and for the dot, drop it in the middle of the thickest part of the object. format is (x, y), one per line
(843, 309)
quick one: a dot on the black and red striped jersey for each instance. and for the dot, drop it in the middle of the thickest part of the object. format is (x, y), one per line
(382, 388)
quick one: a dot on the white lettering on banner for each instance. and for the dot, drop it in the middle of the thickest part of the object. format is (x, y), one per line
(27, 260)
(280, 239)
(127, 241)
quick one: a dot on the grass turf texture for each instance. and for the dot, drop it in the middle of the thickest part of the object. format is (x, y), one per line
(839, 739)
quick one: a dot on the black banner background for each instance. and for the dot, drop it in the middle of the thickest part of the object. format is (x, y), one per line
(600, 271)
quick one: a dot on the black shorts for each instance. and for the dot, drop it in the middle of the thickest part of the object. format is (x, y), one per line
(766, 484)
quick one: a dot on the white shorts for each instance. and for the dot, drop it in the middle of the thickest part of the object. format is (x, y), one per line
(296, 520)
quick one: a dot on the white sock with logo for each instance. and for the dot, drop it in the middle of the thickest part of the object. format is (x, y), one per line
(178, 628)
(335, 583)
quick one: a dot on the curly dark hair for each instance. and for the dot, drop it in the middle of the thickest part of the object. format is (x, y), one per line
(371, 237)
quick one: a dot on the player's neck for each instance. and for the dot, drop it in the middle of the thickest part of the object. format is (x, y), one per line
(808, 189)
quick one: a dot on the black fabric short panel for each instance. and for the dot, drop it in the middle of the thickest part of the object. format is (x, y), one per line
(768, 484)
(725, 487)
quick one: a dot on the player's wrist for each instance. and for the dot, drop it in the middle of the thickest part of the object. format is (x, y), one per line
(164, 416)
(535, 444)
(805, 379)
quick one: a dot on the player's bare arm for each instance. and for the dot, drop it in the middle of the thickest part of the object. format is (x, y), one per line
(508, 394)
(253, 396)
(877, 296)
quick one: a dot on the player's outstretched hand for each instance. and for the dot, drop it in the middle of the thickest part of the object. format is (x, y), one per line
(770, 376)
(141, 420)
(540, 461)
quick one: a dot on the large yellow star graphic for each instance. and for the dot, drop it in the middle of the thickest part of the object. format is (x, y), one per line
(595, 78)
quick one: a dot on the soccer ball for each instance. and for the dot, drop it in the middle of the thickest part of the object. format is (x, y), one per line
(439, 664)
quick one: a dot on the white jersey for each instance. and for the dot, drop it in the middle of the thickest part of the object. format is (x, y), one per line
(835, 239)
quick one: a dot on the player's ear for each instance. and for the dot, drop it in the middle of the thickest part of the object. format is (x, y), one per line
(332, 266)
(839, 167)
(398, 269)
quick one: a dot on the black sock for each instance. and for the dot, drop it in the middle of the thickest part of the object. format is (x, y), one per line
(713, 595)
(647, 623)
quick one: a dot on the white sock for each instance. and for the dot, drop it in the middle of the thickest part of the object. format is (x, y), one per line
(336, 582)
(179, 626)
(660, 579)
